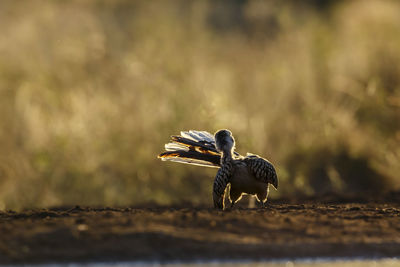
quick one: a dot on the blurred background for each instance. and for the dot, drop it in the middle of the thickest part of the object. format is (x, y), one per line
(90, 92)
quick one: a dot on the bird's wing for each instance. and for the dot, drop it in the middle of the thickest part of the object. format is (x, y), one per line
(262, 169)
(192, 147)
(222, 179)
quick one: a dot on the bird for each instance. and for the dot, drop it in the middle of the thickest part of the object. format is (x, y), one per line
(250, 174)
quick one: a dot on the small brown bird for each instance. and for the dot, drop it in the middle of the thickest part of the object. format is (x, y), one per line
(246, 175)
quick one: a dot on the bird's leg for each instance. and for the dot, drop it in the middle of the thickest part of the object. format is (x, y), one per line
(234, 195)
(265, 204)
(226, 195)
(262, 198)
(252, 202)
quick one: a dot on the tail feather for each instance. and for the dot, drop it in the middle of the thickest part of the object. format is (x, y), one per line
(202, 145)
(191, 157)
(175, 147)
(201, 136)
(192, 147)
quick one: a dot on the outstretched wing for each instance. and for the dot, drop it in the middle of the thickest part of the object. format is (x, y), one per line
(221, 181)
(192, 147)
(262, 169)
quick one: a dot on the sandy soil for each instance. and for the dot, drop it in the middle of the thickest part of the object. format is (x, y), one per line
(326, 226)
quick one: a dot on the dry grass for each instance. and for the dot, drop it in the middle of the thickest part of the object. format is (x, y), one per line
(91, 90)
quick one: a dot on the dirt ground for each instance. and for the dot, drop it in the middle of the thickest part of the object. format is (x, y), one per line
(314, 227)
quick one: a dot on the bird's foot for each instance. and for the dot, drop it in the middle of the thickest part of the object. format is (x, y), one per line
(265, 205)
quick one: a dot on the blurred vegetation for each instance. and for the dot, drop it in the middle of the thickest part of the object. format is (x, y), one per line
(91, 90)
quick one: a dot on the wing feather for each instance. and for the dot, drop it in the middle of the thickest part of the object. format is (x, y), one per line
(262, 169)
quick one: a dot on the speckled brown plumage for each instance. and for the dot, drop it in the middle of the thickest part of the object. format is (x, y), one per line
(246, 175)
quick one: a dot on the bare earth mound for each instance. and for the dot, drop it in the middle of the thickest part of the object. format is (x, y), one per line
(328, 228)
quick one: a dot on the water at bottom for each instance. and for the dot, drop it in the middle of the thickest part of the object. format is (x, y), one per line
(320, 262)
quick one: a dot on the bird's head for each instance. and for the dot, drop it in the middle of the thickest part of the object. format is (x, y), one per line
(224, 141)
